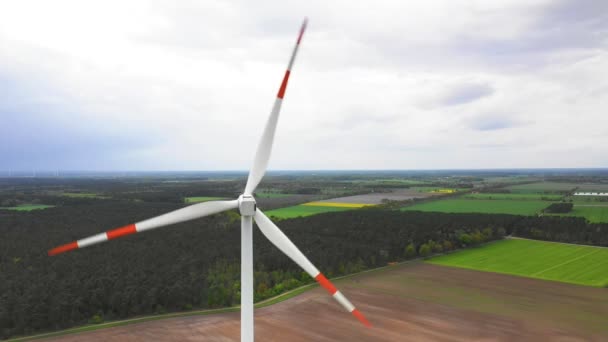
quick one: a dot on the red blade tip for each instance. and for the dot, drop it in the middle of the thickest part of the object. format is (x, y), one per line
(63, 248)
(361, 318)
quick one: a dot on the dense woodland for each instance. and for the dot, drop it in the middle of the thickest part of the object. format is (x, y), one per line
(197, 264)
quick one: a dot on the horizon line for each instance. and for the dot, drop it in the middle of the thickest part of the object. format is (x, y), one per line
(33, 170)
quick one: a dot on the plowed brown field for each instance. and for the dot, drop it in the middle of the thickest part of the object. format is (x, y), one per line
(410, 302)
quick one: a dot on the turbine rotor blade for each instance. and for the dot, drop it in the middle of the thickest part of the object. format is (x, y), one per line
(279, 239)
(262, 155)
(180, 215)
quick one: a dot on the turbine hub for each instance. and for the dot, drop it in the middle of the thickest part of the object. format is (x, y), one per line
(247, 205)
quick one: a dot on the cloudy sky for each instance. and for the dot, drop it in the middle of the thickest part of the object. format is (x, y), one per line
(188, 85)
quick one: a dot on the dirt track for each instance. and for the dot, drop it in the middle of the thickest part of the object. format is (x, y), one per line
(412, 302)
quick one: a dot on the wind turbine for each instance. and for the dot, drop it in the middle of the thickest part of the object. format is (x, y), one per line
(249, 212)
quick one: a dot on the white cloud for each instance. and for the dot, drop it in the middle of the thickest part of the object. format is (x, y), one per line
(394, 85)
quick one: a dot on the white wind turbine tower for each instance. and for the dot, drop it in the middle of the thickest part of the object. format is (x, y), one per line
(249, 212)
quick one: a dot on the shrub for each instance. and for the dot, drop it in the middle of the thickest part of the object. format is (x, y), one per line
(410, 251)
(96, 319)
(425, 250)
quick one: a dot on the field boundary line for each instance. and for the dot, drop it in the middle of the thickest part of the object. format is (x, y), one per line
(510, 237)
(591, 205)
(564, 263)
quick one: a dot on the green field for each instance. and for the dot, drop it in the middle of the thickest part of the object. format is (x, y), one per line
(577, 264)
(593, 187)
(302, 210)
(436, 189)
(510, 179)
(516, 196)
(543, 187)
(588, 199)
(201, 199)
(595, 214)
(458, 205)
(392, 181)
(28, 207)
(271, 195)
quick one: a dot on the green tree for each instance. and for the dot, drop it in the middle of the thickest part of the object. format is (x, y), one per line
(487, 234)
(425, 250)
(501, 232)
(410, 251)
(437, 248)
(476, 237)
(96, 319)
(465, 239)
(447, 245)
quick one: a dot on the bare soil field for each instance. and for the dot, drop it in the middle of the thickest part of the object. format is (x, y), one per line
(376, 198)
(409, 302)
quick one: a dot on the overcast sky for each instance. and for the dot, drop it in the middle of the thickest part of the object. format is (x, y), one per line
(188, 85)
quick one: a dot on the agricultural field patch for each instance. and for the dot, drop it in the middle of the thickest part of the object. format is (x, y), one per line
(379, 197)
(436, 190)
(592, 187)
(459, 205)
(28, 207)
(303, 210)
(514, 196)
(408, 302)
(543, 187)
(390, 181)
(588, 199)
(510, 179)
(337, 204)
(198, 199)
(596, 213)
(271, 195)
(577, 264)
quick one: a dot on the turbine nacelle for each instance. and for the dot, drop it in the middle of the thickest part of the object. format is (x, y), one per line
(247, 205)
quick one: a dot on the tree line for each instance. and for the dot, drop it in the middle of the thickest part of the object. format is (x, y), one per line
(197, 264)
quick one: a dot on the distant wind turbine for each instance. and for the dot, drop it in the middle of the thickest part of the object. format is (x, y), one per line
(249, 212)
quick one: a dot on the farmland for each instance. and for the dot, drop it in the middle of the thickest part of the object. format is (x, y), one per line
(343, 203)
(304, 210)
(593, 213)
(28, 207)
(576, 264)
(459, 205)
(337, 204)
(271, 195)
(198, 199)
(514, 196)
(543, 187)
(435, 190)
(592, 187)
(395, 181)
(378, 198)
(409, 302)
